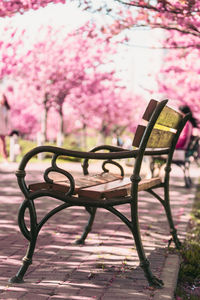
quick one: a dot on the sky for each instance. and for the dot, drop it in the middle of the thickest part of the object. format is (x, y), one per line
(53, 14)
(138, 59)
(58, 14)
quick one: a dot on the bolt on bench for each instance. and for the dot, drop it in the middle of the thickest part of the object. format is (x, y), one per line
(105, 190)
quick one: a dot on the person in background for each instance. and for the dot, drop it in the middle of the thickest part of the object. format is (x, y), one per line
(4, 125)
(188, 130)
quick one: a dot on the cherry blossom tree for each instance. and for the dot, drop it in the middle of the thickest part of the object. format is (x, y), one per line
(11, 46)
(182, 16)
(11, 7)
(59, 65)
(24, 113)
(107, 106)
(50, 76)
(179, 78)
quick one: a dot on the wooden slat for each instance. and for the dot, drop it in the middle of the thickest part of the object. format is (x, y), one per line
(62, 187)
(138, 135)
(150, 109)
(87, 180)
(146, 184)
(111, 189)
(169, 117)
(158, 138)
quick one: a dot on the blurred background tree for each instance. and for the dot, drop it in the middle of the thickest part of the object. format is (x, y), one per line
(63, 80)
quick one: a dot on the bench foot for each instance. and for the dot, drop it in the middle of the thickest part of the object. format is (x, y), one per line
(16, 279)
(152, 280)
(80, 241)
(155, 282)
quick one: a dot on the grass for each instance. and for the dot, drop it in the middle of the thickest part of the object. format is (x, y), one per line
(27, 145)
(70, 142)
(188, 286)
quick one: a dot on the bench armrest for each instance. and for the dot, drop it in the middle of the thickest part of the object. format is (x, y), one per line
(115, 153)
(152, 152)
(107, 157)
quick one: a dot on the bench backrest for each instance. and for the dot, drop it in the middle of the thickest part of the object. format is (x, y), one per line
(164, 127)
(161, 130)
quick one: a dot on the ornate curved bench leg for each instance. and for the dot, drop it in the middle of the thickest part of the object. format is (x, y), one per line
(27, 260)
(30, 235)
(144, 263)
(88, 227)
(173, 230)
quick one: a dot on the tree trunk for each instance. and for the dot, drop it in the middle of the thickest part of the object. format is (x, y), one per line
(85, 137)
(44, 118)
(60, 134)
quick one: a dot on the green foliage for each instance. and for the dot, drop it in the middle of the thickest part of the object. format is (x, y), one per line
(185, 295)
(26, 145)
(189, 275)
(70, 142)
(190, 268)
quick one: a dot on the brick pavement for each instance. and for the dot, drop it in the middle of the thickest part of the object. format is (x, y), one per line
(107, 266)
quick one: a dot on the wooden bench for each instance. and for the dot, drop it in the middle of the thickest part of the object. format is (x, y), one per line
(181, 158)
(105, 190)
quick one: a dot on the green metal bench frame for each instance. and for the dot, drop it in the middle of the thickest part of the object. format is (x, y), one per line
(143, 139)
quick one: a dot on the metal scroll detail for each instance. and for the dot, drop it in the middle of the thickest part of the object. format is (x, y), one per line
(112, 162)
(55, 168)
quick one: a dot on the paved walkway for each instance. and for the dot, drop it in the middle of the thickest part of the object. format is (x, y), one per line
(107, 266)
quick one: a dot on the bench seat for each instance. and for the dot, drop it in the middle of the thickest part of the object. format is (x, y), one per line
(104, 185)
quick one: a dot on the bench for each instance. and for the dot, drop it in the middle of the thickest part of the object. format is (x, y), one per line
(158, 136)
(181, 158)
